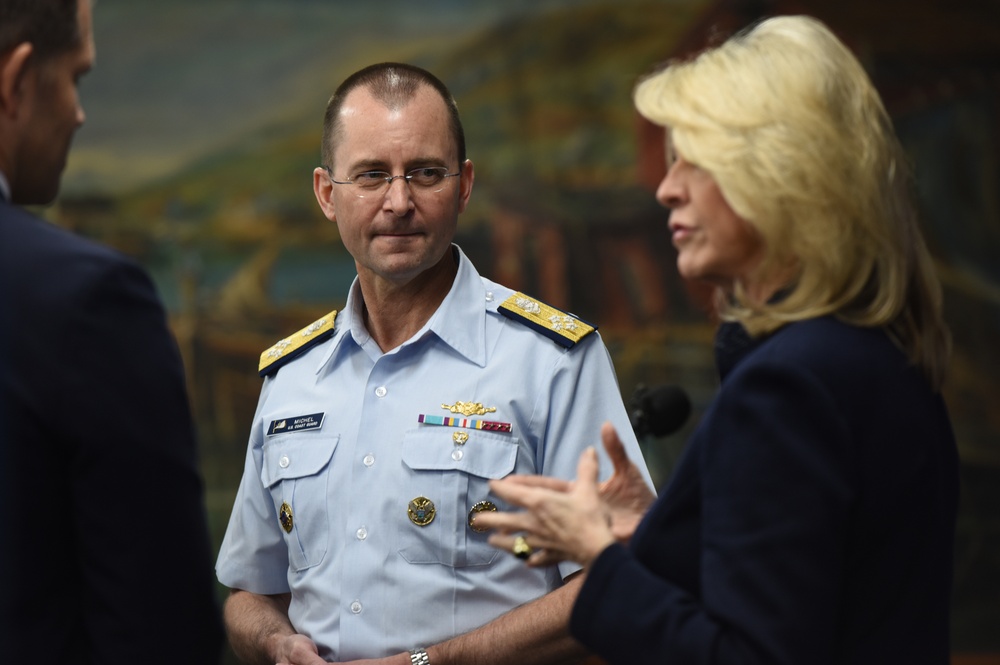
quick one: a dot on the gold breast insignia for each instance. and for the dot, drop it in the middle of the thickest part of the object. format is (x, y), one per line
(469, 408)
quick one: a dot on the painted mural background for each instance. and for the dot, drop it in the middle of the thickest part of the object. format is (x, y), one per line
(203, 128)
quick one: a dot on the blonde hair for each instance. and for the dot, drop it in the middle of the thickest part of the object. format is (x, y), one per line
(788, 123)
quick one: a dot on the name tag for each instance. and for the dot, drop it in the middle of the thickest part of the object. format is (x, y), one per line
(296, 424)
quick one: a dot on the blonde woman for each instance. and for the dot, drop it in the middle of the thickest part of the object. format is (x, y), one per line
(811, 517)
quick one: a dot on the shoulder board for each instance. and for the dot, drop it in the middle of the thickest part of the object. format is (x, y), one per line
(562, 328)
(295, 345)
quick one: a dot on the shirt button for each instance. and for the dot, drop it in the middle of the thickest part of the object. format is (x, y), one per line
(489, 296)
(283, 462)
(362, 533)
(369, 459)
(380, 391)
(457, 455)
(356, 607)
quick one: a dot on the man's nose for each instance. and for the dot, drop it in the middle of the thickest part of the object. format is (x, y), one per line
(399, 196)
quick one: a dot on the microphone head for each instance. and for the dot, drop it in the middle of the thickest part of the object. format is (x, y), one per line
(659, 411)
(667, 409)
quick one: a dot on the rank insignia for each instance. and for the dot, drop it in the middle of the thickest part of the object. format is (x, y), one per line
(562, 328)
(479, 508)
(292, 347)
(421, 511)
(285, 518)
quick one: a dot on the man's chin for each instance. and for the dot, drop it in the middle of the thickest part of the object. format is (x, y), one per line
(404, 267)
(36, 193)
(41, 200)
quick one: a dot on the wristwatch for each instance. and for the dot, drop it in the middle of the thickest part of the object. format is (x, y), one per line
(419, 657)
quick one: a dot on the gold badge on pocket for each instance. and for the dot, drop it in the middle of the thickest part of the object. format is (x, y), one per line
(480, 507)
(421, 511)
(285, 518)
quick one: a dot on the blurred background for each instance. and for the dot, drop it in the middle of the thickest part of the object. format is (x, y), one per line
(203, 127)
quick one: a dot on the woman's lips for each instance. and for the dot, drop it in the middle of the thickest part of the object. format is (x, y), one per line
(680, 232)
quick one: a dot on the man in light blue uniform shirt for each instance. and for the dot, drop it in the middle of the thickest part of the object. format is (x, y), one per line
(379, 427)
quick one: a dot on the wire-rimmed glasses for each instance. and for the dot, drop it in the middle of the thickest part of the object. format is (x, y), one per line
(421, 179)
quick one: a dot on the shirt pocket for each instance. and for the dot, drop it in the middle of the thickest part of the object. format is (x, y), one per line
(454, 477)
(296, 470)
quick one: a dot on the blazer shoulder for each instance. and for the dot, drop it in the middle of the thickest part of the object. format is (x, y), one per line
(833, 344)
(36, 243)
(561, 327)
(293, 346)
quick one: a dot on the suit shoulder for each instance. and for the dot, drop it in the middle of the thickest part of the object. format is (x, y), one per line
(561, 327)
(827, 340)
(837, 354)
(291, 347)
(49, 274)
(37, 243)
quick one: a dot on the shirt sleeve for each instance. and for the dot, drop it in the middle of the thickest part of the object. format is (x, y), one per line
(584, 394)
(774, 467)
(253, 556)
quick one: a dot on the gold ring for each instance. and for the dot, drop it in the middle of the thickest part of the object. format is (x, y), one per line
(521, 549)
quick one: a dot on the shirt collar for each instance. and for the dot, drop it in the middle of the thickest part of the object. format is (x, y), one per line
(460, 319)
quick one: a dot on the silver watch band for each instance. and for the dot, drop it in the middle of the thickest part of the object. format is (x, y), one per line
(419, 657)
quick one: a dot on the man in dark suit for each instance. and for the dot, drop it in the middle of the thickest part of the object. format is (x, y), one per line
(105, 555)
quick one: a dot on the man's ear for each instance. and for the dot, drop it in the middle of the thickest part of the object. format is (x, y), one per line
(13, 67)
(465, 185)
(323, 189)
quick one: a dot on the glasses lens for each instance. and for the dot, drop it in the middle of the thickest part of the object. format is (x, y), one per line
(427, 177)
(370, 179)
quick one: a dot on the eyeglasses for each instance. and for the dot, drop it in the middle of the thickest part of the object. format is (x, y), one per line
(420, 179)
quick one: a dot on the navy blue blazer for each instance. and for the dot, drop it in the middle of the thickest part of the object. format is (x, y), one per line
(106, 555)
(809, 521)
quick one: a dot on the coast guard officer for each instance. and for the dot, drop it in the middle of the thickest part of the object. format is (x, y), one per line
(379, 427)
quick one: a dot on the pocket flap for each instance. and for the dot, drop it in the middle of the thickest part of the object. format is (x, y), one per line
(485, 454)
(295, 456)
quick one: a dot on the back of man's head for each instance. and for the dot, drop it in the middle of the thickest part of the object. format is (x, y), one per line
(51, 26)
(46, 46)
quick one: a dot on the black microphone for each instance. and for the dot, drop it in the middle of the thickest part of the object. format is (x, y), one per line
(659, 411)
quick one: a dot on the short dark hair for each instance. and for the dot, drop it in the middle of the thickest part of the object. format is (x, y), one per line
(51, 26)
(394, 84)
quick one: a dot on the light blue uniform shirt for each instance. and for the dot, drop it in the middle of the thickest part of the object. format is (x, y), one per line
(365, 580)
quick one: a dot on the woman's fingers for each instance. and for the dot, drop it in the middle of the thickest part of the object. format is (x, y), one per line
(523, 494)
(588, 469)
(504, 522)
(613, 446)
(537, 555)
(545, 482)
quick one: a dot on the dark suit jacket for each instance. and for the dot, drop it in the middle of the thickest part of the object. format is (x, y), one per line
(105, 545)
(809, 521)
